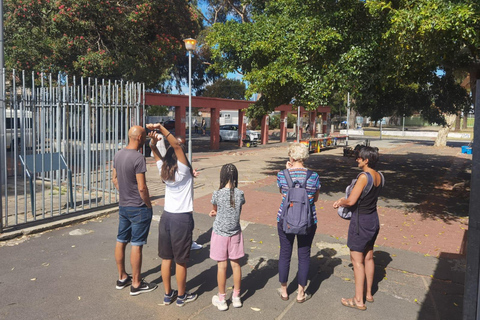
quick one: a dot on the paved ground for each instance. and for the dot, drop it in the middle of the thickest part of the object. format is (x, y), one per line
(69, 272)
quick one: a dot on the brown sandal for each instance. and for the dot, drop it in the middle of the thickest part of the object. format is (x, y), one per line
(370, 300)
(351, 303)
(279, 291)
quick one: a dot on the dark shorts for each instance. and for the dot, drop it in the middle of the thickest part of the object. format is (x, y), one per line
(134, 225)
(175, 236)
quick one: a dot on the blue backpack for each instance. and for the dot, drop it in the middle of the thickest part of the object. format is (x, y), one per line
(296, 216)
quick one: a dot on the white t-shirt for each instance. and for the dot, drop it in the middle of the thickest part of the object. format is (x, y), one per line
(178, 193)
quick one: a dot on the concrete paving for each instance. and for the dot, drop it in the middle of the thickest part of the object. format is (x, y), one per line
(68, 271)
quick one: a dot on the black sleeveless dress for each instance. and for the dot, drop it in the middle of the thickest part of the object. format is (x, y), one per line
(369, 224)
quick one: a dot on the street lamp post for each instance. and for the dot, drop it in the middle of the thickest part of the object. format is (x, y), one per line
(190, 46)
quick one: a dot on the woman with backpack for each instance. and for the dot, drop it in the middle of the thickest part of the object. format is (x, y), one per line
(296, 174)
(364, 226)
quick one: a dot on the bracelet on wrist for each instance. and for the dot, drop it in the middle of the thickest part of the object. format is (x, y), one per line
(168, 135)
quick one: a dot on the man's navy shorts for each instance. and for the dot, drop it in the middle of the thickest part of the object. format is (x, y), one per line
(134, 225)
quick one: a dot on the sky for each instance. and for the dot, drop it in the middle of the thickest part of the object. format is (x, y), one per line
(184, 89)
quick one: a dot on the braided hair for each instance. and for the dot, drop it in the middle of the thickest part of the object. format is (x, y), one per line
(229, 173)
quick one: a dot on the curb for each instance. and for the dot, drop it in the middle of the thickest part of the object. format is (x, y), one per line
(55, 224)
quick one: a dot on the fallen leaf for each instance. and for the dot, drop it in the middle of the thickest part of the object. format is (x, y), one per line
(384, 238)
(45, 264)
(33, 279)
(79, 298)
(229, 288)
(13, 268)
(394, 255)
(426, 255)
(260, 242)
(384, 278)
(255, 309)
(456, 305)
(253, 248)
(73, 246)
(415, 300)
(346, 279)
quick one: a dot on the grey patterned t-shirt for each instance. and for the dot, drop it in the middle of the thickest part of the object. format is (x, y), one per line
(227, 221)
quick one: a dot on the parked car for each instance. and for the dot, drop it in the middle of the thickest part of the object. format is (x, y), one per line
(169, 124)
(229, 132)
(23, 126)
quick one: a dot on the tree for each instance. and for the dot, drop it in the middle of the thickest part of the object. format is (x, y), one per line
(133, 40)
(431, 35)
(157, 110)
(226, 88)
(386, 54)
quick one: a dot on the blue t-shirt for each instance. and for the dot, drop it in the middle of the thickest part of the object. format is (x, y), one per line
(299, 174)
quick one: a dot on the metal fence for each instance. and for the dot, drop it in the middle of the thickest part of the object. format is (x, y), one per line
(58, 140)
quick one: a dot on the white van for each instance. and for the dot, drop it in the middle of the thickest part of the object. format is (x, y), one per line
(26, 121)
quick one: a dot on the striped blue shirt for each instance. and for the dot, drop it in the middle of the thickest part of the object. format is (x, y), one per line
(299, 174)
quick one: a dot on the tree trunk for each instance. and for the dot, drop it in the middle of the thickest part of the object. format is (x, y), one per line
(465, 120)
(441, 140)
(458, 121)
(353, 119)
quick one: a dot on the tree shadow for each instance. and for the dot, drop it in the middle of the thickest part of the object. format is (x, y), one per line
(418, 178)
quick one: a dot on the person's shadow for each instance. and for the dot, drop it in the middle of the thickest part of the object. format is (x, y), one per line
(206, 281)
(382, 259)
(263, 270)
(321, 268)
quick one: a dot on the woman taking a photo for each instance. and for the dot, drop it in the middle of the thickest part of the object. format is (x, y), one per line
(364, 227)
(176, 224)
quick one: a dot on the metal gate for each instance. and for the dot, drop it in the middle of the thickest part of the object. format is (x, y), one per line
(57, 142)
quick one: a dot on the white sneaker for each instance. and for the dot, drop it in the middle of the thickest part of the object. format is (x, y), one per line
(196, 246)
(221, 305)
(236, 302)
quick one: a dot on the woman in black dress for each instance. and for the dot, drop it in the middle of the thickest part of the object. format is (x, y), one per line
(361, 239)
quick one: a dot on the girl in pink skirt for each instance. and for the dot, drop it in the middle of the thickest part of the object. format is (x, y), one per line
(227, 239)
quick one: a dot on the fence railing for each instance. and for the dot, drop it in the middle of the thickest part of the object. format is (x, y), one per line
(85, 121)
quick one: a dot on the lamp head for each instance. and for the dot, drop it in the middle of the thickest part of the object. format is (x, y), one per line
(190, 44)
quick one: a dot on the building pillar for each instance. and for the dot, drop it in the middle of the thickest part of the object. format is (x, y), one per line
(283, 126)
(264, 126)
(214, 129)
(313, 117)
(324, 122)
(180, 120)
(242, 128)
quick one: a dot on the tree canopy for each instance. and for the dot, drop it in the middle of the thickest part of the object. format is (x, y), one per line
(386, 54)
(137, 40)
(226, 88)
